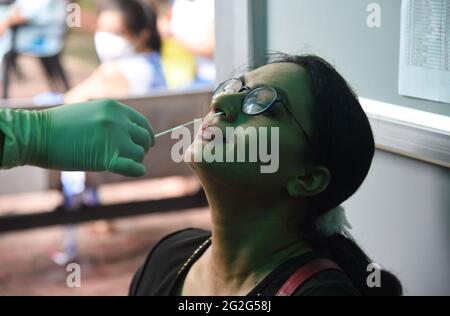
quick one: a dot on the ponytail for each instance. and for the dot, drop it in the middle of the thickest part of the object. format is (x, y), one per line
(345, 145)
(352, 259)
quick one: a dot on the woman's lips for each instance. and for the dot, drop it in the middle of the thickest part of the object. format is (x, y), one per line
(210, 130)
(206, 124)
(208, 134)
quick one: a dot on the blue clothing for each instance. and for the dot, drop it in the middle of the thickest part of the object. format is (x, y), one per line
(159, 80)
(43, 35)
(143, 71)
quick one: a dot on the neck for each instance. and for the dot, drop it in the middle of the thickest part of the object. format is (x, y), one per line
(143, 49)
(250, 236)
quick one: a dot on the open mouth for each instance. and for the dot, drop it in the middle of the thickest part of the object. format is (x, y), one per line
(210, 130)
(209, 133)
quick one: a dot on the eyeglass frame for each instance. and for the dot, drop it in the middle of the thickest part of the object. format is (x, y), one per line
(277, 99)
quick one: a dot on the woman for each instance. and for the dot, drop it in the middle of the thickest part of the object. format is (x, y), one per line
(128, 45)
(264, 227)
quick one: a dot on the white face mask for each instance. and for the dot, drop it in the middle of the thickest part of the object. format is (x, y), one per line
(110, 46)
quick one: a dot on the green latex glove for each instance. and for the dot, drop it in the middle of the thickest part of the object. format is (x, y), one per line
(91, 136)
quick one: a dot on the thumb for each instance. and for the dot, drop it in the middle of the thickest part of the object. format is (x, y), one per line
(127, 167)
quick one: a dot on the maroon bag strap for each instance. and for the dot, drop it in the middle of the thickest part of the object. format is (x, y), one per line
(304, 273)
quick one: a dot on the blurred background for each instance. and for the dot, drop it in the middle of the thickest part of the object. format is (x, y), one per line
(164, 58)
(56, 51)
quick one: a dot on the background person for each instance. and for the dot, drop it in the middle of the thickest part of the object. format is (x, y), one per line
(42, 26)
(128, 44)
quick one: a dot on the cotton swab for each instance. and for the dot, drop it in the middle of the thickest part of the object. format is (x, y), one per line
(185, 124)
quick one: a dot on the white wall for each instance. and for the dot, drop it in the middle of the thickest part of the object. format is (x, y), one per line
(232, 47)
(401, 217)
(337, 30)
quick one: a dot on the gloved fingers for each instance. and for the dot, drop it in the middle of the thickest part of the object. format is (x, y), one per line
(140, 136)
(134, 152)
(139, 119)
(127, 167)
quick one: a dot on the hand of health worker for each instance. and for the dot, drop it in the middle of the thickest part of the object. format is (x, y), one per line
(92, 136)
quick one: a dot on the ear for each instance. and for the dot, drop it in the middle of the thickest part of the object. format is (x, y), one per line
(309, 183)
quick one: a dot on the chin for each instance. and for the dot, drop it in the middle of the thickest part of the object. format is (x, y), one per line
(228, 175)
(200, 166)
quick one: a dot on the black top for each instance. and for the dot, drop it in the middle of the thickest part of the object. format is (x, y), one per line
(159, 273)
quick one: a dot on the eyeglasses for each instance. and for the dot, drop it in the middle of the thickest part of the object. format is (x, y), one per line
(257, 101)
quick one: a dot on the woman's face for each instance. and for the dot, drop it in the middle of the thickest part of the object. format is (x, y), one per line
(292, 84)
(112, 21)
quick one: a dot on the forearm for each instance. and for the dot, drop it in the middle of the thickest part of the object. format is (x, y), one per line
(105, 82)
(16, 18)
(20, 130)
(11, 21)
(2, 142)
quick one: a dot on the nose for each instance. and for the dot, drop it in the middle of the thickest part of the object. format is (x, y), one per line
(229, 104)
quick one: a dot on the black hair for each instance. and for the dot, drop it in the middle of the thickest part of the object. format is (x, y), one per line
(344, 142)
(138, 16)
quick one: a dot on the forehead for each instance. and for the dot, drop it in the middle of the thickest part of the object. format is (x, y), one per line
(293, 80)
(110, 21)
(277, 72)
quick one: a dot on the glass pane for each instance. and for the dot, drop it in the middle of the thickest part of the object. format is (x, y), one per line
(258, 100)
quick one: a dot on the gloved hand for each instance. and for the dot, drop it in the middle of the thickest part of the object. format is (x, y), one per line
(91, 136)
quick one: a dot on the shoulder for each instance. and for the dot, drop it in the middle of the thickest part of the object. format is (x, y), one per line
(106, 71)
(181, 240)
(142, 62)
(138, 71)
(165, 258)
(132, 60)
(328, 283)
